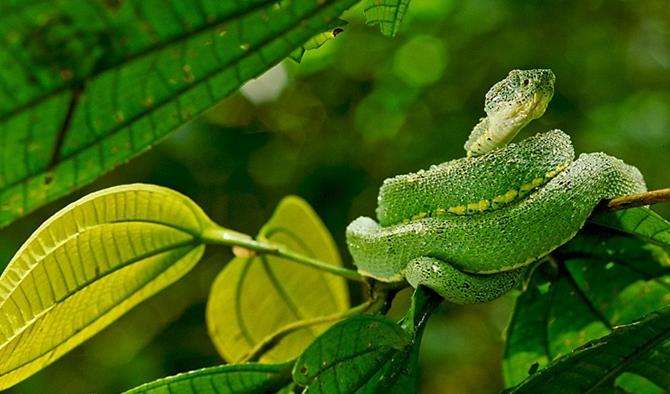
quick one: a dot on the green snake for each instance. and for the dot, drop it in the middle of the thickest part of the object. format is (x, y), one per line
(470, 228)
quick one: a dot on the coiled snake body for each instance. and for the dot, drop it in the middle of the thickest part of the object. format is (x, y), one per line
(469, 228)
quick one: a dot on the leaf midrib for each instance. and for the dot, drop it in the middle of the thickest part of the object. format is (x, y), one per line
(72, 236)
(133, 56)
(161, 104)
(340, 360)
(639, 351)
(307, 250)
(127, 264)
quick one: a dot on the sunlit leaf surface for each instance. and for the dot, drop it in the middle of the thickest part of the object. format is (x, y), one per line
(88, 265)
(254, 297)
(86, 85)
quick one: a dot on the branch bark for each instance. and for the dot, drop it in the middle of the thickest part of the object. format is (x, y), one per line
(637, 200)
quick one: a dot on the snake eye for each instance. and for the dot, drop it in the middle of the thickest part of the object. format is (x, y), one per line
(526, 82)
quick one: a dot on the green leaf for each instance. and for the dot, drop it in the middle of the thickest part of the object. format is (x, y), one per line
(387, 14)
(233, 379)
(87, 85)
(88, 265)
(600, 280)
(639, 346)
(318, 40)
(368, 354)
(351, 356)
(641, 222)
(631, 383)
(291, 388)
(256, 296)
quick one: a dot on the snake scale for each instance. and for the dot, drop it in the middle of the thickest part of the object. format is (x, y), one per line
(470, 228)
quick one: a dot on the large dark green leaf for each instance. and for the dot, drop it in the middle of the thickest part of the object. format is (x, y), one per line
(85, 85)
(600, 280)
(388, 14)
(233, 379)
(640, 347)
(641, 222)
(350, 355)
(367, 354)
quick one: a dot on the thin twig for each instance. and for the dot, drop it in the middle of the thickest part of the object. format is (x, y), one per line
(242, 242)
(637, 200)
(314, 263)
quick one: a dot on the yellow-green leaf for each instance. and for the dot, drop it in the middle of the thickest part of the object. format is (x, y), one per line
(89, 264)
(254, 297)
(335, 28)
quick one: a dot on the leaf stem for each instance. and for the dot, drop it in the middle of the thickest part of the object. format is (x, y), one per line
(314, 263)
(222, 236)
(637, 200)
(273, 339)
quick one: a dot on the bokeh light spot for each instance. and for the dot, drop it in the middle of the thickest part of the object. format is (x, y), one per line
(420, 61)
(378, 117)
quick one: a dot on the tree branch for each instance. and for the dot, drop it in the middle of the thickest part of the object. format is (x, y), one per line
(637, 200)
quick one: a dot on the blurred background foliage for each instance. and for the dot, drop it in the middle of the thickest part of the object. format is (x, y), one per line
(360, 109)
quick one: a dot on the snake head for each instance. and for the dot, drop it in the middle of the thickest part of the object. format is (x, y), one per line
(516, 100)
(522, 92)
